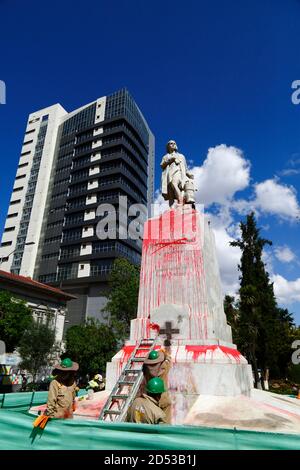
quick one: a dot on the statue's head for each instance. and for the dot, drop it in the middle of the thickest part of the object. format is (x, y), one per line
(171, 146)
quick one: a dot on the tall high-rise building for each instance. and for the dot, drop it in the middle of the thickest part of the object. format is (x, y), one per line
(71, 163)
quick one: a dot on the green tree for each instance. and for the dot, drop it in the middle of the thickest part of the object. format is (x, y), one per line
(250, 327)
(15, 317)
(123, 296)
(37, 347)
(92, 345)
(288, 333)
(232, 314)
(263, 329)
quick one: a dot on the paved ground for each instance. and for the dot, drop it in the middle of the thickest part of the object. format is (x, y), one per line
(85, 408)
(263, 411)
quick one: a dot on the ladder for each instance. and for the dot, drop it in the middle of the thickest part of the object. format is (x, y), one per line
(128, 384)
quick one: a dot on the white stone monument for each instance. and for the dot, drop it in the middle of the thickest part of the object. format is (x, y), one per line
(181, 302)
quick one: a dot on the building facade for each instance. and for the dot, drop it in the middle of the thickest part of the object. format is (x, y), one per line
(70, 164)
(48, 304)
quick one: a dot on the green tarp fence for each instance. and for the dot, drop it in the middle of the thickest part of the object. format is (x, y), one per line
(25, 400)
(17, 432)
(22, 401)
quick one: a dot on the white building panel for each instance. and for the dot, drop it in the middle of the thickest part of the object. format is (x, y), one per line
(89, 215)
(98, 130)
(96, 143)
(92, 184)
(84, 269)
(86, 249)
(100, 109)
(95, 156)
(87, 232)
(94, 170)
(91, 199)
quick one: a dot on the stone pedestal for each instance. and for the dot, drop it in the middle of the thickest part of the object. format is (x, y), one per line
(180, 285)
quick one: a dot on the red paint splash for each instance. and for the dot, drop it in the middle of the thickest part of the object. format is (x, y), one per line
(155, 327)
(180, 241)
(127, 351)
(201, 350)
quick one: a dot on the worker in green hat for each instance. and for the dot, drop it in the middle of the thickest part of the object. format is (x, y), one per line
(158, 364)
(145, 409)
(62, 390)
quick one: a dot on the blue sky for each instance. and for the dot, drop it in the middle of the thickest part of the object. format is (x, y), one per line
(210, 74)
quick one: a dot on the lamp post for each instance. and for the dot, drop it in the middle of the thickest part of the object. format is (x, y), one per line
(4, 257)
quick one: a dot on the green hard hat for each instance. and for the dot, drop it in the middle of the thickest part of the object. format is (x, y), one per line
(155, 385)
(67, 365)
(153, 355)
(67, 362)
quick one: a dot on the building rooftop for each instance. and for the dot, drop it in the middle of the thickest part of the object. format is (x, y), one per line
(23, 281)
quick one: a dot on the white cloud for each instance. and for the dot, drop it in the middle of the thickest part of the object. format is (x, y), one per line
(290, 172)
(286, 291)
(228, 256)
(228, 259)
(270, 197)
(292, 166)
(243, 206)
(284, 254)
(224, 172)
(275, 198)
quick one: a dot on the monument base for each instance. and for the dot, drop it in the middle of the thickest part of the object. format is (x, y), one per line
(197, 369)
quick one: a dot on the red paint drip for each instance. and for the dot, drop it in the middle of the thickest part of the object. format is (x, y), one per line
(232, 352)
(127, 351)
(155, 327)
(199, 350)
(170, 274)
